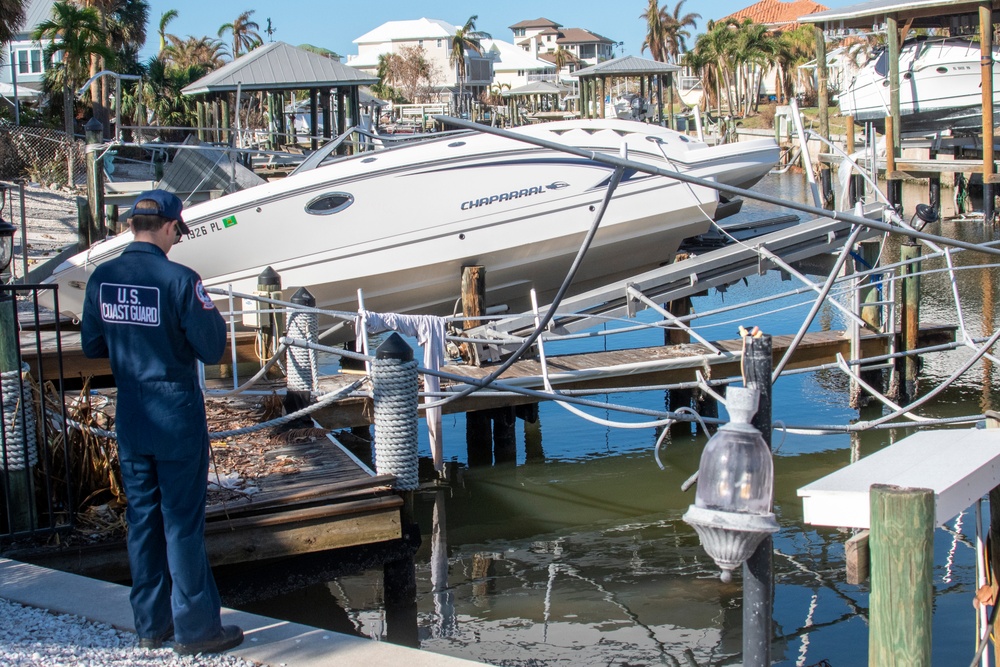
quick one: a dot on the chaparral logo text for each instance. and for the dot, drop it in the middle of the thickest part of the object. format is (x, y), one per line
(515, 194)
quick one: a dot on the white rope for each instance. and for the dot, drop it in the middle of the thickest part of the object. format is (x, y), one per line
(302, 361)
(395, 389)
(19, 441)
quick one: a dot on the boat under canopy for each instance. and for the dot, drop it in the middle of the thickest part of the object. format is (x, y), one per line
(940, 87)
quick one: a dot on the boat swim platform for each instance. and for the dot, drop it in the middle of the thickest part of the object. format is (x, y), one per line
(959, 465)
(636, 367)
(322, 498)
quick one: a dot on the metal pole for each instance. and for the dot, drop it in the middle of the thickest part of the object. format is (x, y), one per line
(13, 83)
(758, 577)
(24, 235)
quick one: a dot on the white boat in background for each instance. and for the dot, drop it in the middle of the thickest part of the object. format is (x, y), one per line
(400, 223)
(939, 87)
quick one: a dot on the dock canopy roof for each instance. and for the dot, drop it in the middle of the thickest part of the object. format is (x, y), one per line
(537, 88)
(627, 66)
(279, 66)
(924, 13)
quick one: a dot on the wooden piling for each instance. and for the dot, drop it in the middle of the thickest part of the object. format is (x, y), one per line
(473, 305)
(95, 180)
(83, 224)
(910, 314)
(532, 431)
(986, 64)
(758, 570)
(893, 189)
(200, 113)
(902, 564)
(504, 435)
(679, 398)
(871, 313)
(858, 558)
(19, 488)
(479, 438)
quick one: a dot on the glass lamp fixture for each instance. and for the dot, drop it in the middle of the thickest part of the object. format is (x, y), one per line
(6, 244)
(732, 507)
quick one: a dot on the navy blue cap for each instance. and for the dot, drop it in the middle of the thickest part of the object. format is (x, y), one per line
(168, 206)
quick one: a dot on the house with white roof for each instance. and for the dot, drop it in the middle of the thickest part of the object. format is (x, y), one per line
(23, 59)
(513, 67)
(543, 36)
(434, 37)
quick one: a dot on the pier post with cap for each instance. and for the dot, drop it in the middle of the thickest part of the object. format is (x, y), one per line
(95, 180)
(758, 570)
(301, 362)
(902, 568)
(395, 388)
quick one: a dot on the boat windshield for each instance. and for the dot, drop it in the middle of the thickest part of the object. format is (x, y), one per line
(365, 141)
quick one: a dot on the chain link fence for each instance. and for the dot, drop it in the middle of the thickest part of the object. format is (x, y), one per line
(40, 153)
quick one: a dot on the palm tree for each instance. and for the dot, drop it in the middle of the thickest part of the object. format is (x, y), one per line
(165, 19)
(655, 34)
(675, 30)
(466, 38)
(11, 17)
(244, 31)
(794, 48)
(755, 49)
(718, 45)
(76, 33)
(204, 52)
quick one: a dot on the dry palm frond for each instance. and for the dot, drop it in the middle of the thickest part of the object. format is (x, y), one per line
(85, 464)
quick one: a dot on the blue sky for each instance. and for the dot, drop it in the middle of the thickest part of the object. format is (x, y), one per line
(334, 24)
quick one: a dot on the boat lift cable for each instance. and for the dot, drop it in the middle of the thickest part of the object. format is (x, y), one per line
(557, 299)
(721, 187)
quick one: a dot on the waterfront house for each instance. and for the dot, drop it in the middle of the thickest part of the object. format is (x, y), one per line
(23, 59)
(434, 38)
(513, 67)
(542, 36)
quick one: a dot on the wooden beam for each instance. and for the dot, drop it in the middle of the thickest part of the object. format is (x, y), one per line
(858, 557)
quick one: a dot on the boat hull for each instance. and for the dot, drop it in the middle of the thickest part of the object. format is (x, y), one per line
(939, 88)
(411, 218)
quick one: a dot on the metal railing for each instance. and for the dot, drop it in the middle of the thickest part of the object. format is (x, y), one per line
(38, 495)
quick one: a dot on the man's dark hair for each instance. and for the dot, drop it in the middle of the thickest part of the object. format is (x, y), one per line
(147, 222)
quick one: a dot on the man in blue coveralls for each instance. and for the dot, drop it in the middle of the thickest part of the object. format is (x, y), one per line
(153, 319)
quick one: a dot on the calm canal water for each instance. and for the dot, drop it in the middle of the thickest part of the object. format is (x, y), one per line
(581, 557)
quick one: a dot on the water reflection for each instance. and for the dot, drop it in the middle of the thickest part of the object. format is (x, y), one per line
(581, 558)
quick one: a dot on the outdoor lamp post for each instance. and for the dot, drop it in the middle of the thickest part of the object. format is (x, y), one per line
(732, 507)
(6, 244)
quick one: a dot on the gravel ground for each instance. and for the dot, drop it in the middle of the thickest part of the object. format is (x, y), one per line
(32, 637)
(50, 217)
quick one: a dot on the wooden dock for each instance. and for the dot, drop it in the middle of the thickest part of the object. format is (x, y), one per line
(321, 498)
(664, 364)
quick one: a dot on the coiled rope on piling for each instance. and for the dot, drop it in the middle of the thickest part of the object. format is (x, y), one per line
(394, 391)
(18, 421)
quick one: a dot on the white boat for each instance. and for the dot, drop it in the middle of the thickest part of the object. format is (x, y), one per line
(400, 223)
(939, 87)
